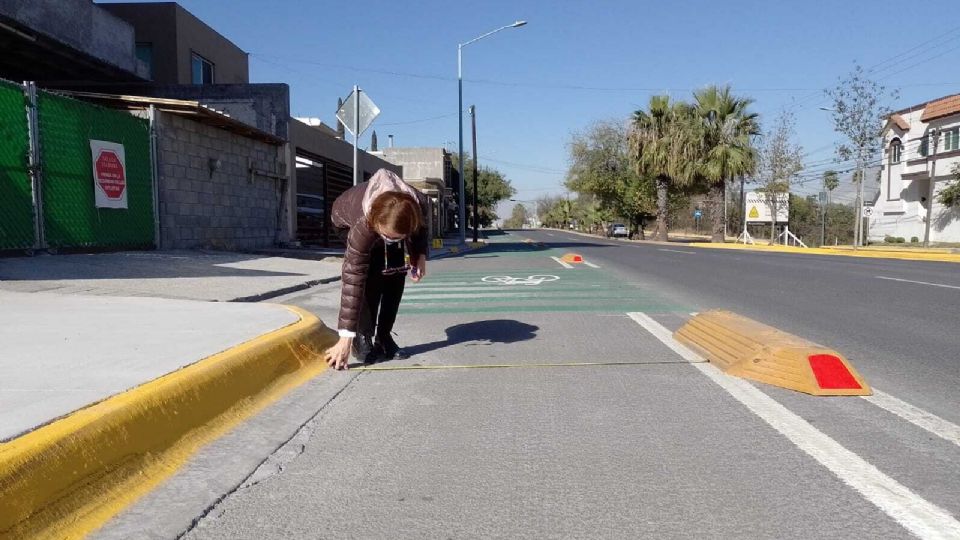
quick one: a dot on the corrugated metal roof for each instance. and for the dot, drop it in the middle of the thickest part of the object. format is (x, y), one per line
(189, 109)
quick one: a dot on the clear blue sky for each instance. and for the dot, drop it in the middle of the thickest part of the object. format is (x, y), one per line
(577, 62)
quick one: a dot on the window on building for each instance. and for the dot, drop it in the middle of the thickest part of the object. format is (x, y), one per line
(924, 147)
(201, 69)
(895, 148)
(951, 139)
(145, 55)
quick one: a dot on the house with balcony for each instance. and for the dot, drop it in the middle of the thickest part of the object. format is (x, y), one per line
(921, 148)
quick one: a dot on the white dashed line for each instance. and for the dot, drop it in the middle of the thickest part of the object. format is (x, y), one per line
(590, 264)
(562, 263)
(678, 251)
(916, 514)
(918, 282)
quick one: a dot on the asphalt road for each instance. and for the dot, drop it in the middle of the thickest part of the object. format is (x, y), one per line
(551, 402)
(903, 335)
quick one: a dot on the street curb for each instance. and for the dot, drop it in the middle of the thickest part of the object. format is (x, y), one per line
(863, 253)
(838, 252)
(286, 290)
(67, 478)
(463, 248)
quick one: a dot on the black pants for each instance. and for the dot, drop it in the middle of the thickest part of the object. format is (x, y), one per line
(382, 295)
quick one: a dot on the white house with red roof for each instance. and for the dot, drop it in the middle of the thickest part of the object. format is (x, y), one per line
(921, 145)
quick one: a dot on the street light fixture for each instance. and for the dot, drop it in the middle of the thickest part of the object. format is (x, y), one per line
(463, 183)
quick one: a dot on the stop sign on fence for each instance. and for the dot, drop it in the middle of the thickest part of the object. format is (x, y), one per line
(109, 174)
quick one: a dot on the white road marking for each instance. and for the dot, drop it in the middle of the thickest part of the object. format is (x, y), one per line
(916, 416)
(501, 294)
(562, 263)
(590, 264)
(918, 282)
(916, 514)
(489, 287)
(678, 251)
(535, 279)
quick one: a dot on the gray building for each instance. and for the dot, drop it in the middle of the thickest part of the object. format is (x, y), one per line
(324, 170)
(179, 48)
(431, 171)
(66, 40)
(241, 174)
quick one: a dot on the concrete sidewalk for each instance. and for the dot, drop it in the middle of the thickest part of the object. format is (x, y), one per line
(102, 398)
(62, 353)
(194, 275)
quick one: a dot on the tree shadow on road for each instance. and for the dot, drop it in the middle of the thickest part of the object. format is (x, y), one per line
(481, 332)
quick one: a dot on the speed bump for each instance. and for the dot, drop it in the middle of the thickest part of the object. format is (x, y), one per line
(572, 258)
(750, 349)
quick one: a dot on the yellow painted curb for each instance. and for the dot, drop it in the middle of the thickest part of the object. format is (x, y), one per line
(841, 252)
(746, 348)
(68, 478)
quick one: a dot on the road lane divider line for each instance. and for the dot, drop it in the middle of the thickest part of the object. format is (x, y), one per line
(678, 251)
(590, 264)
(67, 478)
(916, 416)
(918, 282)
(562, 262)
(914, 513)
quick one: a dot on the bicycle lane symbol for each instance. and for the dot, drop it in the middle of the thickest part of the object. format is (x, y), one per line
(536, 279)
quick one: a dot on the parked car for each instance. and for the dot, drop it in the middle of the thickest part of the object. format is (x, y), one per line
(617, 229)
(310, 216)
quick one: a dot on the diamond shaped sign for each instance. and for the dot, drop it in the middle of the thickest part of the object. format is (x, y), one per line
(368, 112)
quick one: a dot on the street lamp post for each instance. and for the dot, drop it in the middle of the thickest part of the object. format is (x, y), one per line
(463, 183)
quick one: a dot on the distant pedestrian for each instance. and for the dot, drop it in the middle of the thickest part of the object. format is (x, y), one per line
(383, 224)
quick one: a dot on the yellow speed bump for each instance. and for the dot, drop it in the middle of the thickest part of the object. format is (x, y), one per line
(572, 258)
(69, 477)
(752, 350)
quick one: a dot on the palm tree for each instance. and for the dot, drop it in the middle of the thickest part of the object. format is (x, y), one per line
(726, 146)
(660, 144)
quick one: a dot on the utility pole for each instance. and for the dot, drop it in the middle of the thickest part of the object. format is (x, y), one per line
(476, 194)
(858, 205)
(743, 208)
(823, 216)
(930, 190)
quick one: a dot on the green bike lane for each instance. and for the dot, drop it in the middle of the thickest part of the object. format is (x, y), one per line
(535, 407)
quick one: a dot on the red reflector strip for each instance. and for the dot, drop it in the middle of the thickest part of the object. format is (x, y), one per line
(831, 372)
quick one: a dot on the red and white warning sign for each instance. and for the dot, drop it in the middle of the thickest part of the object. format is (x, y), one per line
(109, 174)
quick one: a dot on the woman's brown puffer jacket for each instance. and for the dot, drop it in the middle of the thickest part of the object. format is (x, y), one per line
(349, 217)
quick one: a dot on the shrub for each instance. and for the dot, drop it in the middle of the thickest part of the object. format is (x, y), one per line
(900, 240)
(914, 240)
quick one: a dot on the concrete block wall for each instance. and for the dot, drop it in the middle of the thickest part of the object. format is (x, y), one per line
(229, 208)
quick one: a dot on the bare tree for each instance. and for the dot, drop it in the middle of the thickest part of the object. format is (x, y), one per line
(858, 113)
(780, 163)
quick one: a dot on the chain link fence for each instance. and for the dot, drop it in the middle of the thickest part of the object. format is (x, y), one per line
(71, 218)
(17, 228)
(66, 202)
